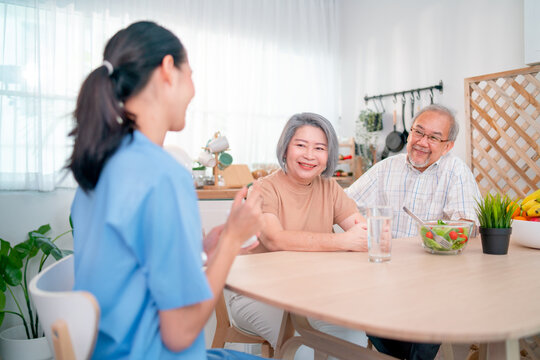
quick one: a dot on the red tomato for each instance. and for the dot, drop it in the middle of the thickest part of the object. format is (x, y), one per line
(453, 235)
(460, 230)
(463, 237)
(429, 235)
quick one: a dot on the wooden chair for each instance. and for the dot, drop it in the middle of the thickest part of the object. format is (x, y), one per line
(69, 318)
(531, 347)
(227, 332)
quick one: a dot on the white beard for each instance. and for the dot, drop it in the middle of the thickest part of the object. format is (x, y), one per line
(418, 165)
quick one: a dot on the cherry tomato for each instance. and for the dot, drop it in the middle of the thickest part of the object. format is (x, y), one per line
(460, 230)
(429, 234)
(464, 237)
(453, 235)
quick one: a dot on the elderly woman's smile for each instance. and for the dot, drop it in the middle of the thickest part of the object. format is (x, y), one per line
(308, 166)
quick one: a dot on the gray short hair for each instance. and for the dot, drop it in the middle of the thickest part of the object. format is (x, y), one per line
(311, 119)
(454, 126)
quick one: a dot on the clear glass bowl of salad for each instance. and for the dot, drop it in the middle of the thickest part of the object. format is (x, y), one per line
(456, 232)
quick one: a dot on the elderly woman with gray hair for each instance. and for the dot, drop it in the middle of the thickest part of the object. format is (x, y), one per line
(301, 203)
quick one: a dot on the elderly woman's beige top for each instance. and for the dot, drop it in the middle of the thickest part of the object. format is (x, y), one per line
(314, 208)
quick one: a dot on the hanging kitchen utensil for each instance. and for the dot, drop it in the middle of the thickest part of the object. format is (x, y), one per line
(405, 133)
(376, 106)
(412, 108)
(394, 140)
(382, 106)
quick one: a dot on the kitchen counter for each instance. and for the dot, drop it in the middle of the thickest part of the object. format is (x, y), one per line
(225, 194)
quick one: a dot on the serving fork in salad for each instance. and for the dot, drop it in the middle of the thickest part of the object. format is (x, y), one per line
(438, 238)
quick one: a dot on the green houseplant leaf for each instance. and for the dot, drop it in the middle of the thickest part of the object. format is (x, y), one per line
(3, 287)
(16, 258)
(4, 247)
(12, 274)
(45, 244)
(43, 229)
(14, 264)
(2, 305)
(371, 120)
(24, 249)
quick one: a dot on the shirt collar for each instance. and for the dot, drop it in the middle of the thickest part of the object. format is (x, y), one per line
(431, 168)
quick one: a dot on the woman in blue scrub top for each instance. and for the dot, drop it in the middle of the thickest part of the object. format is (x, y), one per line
(137, 232)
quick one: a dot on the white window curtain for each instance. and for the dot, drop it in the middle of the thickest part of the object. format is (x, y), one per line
(255, 63)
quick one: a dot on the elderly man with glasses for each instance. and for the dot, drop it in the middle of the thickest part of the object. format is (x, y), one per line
(428, 180)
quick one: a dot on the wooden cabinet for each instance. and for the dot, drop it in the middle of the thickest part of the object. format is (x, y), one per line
(213, 213)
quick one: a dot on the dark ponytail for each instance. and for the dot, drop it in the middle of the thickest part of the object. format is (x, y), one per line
(101, 120)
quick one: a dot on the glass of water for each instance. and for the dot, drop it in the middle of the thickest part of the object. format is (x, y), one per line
(379, 220)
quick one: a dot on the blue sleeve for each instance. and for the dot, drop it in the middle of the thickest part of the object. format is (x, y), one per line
(172, 242)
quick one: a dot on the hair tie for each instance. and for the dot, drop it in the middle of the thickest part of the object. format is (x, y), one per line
(108, 65)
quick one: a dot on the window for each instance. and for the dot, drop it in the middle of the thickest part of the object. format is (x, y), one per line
(255, 64)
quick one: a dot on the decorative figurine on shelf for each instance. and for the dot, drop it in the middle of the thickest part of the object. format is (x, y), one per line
(214, 156)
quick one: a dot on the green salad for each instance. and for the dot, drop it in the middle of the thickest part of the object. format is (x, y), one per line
(455, 234)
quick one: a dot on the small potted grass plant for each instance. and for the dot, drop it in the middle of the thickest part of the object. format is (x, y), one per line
(495, 216)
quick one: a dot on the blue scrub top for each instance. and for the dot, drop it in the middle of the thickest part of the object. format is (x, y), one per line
(137, 244)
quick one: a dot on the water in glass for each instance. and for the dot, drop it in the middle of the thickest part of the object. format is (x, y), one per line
(379, 234)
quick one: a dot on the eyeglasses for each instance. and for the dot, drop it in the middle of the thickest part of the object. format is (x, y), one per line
(432, 139)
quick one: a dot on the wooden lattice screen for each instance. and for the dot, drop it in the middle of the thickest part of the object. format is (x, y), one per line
(503, 114)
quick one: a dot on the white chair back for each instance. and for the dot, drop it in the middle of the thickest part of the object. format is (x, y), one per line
(68, 318)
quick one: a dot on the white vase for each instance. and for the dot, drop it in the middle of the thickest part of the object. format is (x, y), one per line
(15, 346)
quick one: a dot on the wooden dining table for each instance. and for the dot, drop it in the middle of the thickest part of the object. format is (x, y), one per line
(417, 296)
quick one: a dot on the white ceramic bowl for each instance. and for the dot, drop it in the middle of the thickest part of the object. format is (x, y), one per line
(526, 233)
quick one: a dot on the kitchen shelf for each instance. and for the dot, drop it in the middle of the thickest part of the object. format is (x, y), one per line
(348, 148)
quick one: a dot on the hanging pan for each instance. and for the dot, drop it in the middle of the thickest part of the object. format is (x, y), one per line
(394, 140)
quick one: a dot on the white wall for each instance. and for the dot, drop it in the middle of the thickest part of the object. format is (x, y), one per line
(391, 45)
(22, 211)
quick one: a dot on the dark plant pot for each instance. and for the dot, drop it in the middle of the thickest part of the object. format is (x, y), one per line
(495, 241)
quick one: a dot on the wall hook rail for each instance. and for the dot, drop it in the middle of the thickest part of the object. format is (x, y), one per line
(403, 93)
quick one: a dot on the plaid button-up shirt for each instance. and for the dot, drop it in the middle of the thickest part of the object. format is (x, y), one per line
(445, 190)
